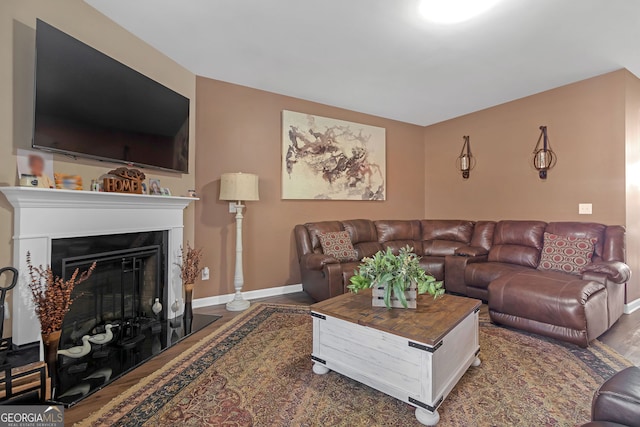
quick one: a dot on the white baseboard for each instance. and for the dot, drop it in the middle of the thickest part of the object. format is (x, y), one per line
(632, 306)
(249, 295)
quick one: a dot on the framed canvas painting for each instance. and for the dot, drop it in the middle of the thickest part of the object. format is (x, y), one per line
(330, 159)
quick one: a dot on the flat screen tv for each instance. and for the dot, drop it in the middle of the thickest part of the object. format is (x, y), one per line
(90, 105)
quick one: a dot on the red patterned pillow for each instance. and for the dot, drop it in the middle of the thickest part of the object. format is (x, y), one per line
(338, 244)
(566, 253)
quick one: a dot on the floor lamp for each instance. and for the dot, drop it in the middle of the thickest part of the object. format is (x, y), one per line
(238, 187)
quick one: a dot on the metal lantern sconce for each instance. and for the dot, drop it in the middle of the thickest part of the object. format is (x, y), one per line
(465, 160)
(543, 158)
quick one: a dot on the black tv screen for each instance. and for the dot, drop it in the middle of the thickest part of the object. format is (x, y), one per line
(88, 104)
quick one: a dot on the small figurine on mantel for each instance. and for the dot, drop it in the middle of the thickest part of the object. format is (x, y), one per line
(124, 180)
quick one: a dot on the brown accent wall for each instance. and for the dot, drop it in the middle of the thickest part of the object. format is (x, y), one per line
(585, 122)
(586, 127)
(239, 130)
(17, 54)
(632, 128)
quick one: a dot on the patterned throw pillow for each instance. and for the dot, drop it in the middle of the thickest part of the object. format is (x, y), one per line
(338, 244)
(567, 254)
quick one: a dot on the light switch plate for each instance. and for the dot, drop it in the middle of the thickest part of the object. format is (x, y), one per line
(205, 273)
(585, 209)
(232, 207)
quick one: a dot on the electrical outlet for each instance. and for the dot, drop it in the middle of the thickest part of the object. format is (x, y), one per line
(205, 273)
(232, 207)
(585, 209)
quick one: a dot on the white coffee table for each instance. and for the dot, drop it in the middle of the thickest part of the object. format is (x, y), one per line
(415, 355)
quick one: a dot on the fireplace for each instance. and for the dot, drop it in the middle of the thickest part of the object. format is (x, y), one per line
(41, 216)
(130, 274)
(136, 241)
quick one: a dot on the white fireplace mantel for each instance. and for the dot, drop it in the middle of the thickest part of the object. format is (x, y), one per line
(41, 215)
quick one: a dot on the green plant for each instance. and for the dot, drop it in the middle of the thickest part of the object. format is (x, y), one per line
(395, 273)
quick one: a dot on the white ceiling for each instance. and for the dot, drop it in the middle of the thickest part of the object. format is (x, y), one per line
(379, 57)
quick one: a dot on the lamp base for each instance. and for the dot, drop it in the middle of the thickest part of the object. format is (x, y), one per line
(238, 305)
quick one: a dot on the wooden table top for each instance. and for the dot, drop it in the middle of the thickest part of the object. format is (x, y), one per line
(428, 323)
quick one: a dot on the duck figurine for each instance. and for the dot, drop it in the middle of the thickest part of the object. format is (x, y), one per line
(101, 373)
(103, 338)
(81, 329)
(81, 389)
(78, 351)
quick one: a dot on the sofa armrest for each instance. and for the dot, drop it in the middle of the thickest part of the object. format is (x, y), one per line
(317, 261)
(616, 271)
(454, 267)
(471, 251)
(618, 399)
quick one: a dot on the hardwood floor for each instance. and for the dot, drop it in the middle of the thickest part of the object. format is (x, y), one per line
(624, 337)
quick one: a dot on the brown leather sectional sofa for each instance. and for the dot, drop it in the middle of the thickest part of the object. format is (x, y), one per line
(493, 261)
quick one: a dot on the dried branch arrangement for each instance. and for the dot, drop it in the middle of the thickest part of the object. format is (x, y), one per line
(52, 295)
(190, 268)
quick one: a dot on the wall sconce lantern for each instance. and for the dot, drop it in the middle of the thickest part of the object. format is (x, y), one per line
(465, 161)
(543, 158)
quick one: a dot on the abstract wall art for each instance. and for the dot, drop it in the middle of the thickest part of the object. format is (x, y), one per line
(330, 159)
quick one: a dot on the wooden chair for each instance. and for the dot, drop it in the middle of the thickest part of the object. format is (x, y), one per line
(17, 382)
(22, 380)
(6, 286)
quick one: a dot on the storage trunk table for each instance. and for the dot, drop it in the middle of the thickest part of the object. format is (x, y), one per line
(415, 355)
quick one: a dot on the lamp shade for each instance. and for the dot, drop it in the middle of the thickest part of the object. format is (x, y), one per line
(239, 186)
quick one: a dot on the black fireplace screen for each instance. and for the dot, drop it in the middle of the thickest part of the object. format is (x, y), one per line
(118, 317)
(123, 287)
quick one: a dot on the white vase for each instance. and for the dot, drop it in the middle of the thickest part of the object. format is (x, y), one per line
(156, 307)
(175, 306)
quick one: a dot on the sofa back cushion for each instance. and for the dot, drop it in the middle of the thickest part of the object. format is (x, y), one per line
(364, 236)
(443, 237)
(397, 234)
(483, 234)
(518, 242)
(582, 230)
(315, 228)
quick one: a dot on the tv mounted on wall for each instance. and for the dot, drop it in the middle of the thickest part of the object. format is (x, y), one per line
(87, 104)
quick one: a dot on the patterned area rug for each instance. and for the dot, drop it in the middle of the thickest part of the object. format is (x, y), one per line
(256, 371)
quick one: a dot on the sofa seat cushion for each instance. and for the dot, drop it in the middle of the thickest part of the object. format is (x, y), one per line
(479, 275)
(548, 297)
(433, 265)
(396, 245)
